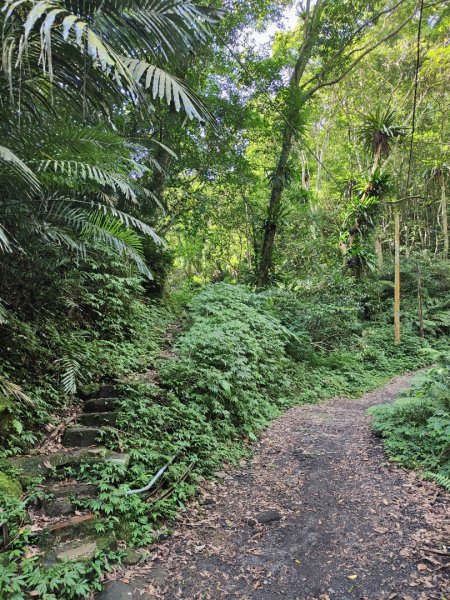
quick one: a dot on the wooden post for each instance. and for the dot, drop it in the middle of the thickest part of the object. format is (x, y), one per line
(397, 277)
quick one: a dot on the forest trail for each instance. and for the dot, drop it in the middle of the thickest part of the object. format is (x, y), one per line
(317, 513)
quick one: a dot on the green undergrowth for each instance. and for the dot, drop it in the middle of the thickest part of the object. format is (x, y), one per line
(100, 326)
(242, 359)
(416, 427)
(24, 576)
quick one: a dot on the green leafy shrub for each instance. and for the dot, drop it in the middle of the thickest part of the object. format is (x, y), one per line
(232, 360)
(416, 427)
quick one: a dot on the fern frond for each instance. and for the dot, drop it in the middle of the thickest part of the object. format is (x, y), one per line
(442, 480)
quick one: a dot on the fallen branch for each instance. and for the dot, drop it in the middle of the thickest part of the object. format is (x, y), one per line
(440, 552)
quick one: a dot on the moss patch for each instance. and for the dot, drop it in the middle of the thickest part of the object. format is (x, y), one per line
(9, 487)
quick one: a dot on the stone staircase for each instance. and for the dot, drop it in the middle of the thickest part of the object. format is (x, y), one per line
(99, 410)
(66, 533)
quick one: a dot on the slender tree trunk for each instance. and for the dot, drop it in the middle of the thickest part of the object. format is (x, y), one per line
(279, 176)
(249, 240)
(270, 226)
(397, 278)
(379, 252)
(444, 215)
(420, 296)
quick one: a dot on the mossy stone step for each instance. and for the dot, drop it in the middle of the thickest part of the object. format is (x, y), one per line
(73, 539)
(97, 405)
(99, 390)
(99, 419)
(42, 465)
(60, 503)
(80, 436)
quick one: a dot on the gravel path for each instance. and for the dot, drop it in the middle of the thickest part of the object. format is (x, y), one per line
(318, 514)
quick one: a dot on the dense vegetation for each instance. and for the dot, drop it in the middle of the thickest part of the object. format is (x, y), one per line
(222, 253)
(417, 426)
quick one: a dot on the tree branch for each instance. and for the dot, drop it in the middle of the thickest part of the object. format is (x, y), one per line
(357, 60)
(367, 23)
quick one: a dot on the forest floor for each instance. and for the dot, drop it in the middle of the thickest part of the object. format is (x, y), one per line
(317, 514)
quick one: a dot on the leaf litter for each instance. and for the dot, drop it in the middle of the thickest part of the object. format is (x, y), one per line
(351, 524)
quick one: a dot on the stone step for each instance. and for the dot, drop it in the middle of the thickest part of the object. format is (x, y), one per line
(42, 465)
(97, 405)
(60, 504)
(99, 390)
(69, 528)
(79, 436)
(109, 390)
(73, 539)
(135, 589)
(99, 419)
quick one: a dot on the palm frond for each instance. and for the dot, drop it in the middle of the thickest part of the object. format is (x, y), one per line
(5, 245)
(129, 221)
(25, 174)
(111, 233)
(70, 369)
(3, 314)
(164, 86)
(114, 37)
(88, 172)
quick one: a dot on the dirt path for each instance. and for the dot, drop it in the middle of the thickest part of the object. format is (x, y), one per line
(317, 514)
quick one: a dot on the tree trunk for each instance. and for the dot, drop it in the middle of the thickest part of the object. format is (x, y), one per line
(294, 105)
(379, 252)
(397, 278)
(270, 226)
(420, 297)
(444, 215)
